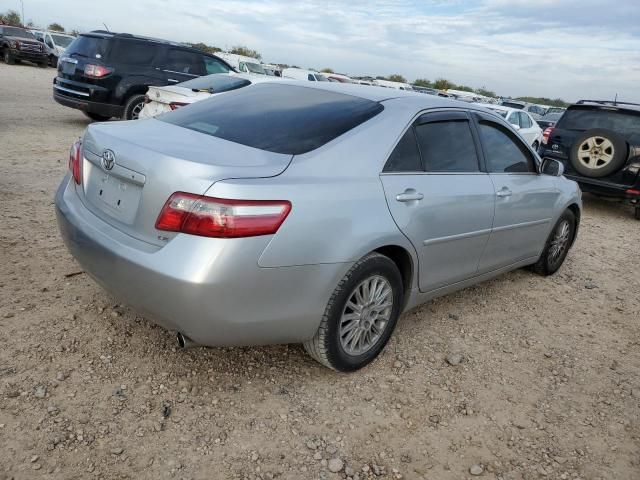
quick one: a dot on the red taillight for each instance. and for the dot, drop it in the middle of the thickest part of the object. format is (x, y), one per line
(633, 191)
(96, 71)
(546, 135)
(75, 161)
(174, 105)
(221, 217)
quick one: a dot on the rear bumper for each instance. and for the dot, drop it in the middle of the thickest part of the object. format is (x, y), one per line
(607, 189)
(212, 290)
(68, 100)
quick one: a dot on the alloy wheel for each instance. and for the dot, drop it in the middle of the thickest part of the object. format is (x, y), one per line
(559, 242)
(135, 111)
(366, 315)
(596, 152)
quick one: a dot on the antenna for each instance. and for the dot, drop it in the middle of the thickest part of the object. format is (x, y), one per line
(105, 26)
(615, 100)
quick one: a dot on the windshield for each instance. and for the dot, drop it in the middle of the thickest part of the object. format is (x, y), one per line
(320, 78)
(519, 106)
(255, 68)
(62, 40)
(610, 118)
(17, 32)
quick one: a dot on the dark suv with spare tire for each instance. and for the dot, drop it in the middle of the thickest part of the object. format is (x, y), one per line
(107, 74)
(599, 144)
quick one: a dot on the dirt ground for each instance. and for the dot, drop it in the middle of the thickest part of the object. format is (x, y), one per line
(548, 386)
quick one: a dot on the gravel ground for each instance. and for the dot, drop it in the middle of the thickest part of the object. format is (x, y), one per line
(541, 379)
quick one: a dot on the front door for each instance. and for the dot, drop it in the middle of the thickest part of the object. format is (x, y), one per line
(439, 198)
(525, 200)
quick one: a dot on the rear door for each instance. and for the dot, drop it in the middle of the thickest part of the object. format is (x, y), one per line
(180, 65)
(439, 197)
(524, 200)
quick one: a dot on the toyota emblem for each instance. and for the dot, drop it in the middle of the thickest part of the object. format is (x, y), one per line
(108, 159)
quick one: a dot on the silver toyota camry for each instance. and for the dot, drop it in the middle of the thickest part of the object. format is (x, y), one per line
(314, 214)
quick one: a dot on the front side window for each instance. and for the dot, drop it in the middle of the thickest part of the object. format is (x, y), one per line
(447, 146)
(213, 65)
(504, 152)
(405, 157)
(62, 40)
(311, 78)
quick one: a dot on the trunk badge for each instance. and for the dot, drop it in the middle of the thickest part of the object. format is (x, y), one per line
(108, 159)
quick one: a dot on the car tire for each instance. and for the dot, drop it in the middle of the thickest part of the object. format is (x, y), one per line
(53, 61)
(334, 345)
(43, 64)
(598, 152)
(96, 117)
(637, 213)
(557, 246)
(8, 58)
(133, 107)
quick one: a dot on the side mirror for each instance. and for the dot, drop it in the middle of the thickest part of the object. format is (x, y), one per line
(517, 127)
(552, 167)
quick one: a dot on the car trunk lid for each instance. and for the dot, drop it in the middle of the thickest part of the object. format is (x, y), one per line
(130, 169)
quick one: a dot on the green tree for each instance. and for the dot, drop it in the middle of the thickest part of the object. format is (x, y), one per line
(205, 48)
(247, 52)
(327, 70)
(396, 77)
(12, 18)
(55, 27)
(423, 82)
(443, 84)
(558, 102)
(463, 88)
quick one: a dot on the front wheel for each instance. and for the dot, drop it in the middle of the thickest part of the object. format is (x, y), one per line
(557, 246)
(53, 61)
(637, 214)
(360, 316)
(133, 107)
(8, 58)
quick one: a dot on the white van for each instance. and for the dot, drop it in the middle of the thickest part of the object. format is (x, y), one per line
(242, 63)
(55, 43)
(301, 74)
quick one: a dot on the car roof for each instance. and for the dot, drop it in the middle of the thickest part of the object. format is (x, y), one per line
(607, 104)
(129, 36)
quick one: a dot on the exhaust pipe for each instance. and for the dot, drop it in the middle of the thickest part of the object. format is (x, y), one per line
(185, 342)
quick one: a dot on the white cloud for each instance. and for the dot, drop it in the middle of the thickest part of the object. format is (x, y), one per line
(566, 49)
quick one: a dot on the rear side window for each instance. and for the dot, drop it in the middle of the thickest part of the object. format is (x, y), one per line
(311, 78)
(525, 120)
(586, 119)
(277, 118)
(184, 61)
(405, 157)
(447, 146)
(88, 47)
(505, 154)
(132, 52)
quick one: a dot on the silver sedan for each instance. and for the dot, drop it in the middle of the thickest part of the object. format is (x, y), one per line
(312, 213)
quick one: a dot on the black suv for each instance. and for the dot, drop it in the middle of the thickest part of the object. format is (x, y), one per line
(19, 44)
(599, 144)
(107, 74)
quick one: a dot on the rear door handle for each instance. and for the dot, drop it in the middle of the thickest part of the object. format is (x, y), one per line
(173, 80)
(409, 195)
(504, 192)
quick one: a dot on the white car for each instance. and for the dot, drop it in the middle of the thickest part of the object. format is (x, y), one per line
(390, 84)
(522, 121)
(165, 99)
(56, 43)
(302, 74)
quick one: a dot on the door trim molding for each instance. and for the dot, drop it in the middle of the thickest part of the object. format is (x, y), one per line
(459, 236)
(522, 225)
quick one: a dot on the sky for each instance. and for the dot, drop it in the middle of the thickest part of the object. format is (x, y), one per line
(570, 49)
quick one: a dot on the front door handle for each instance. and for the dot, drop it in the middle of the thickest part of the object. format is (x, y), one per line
(173, 80)
(409, 195)
(504, 192)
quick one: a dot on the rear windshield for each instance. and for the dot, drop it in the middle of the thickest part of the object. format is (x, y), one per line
(88, 47)
(216, 83)
(519, 106)
(588, 118)
(277, 118)
(17, 32)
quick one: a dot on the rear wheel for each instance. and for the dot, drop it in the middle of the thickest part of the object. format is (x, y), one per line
(133, 107)
(557, 246)
(96, 117)
(53, 61)
(43, 64)
(360, 315)
(8, 58)
(637, 214)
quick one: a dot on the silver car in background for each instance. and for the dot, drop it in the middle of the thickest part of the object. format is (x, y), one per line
(312, 213)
